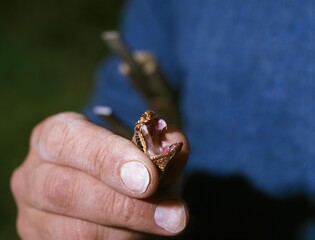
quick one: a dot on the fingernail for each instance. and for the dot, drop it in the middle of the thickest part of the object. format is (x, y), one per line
(171, 216)
(135, 176)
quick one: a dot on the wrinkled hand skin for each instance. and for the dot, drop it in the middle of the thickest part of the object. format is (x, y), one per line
(71, 185)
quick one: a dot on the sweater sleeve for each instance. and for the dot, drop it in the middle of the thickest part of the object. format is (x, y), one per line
(145, 26)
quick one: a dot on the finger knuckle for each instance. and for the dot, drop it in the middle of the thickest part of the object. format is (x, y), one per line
(127, 211)
(16, 182)
(96, 159)
(58, 190)
(102, 159)
(50, 136)
(122, 208)
(24, 230)
(85, 230)
(106, 157)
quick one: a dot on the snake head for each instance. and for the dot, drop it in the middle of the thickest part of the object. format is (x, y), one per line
(149, 136)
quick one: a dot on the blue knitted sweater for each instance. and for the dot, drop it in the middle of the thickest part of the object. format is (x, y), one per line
(245, 73)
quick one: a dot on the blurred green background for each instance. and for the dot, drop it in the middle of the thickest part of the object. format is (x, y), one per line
(49, 51)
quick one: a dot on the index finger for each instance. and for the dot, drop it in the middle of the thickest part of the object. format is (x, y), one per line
(69, 139)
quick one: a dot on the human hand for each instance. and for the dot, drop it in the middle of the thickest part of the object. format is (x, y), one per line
(80, 181)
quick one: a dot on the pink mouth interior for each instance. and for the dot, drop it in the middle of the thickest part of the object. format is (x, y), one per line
(153, 135)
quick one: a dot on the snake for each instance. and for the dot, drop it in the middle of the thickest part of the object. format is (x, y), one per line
(149, 137)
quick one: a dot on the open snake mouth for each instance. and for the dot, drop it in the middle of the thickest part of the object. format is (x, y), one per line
(152, 132)
(149, 136)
